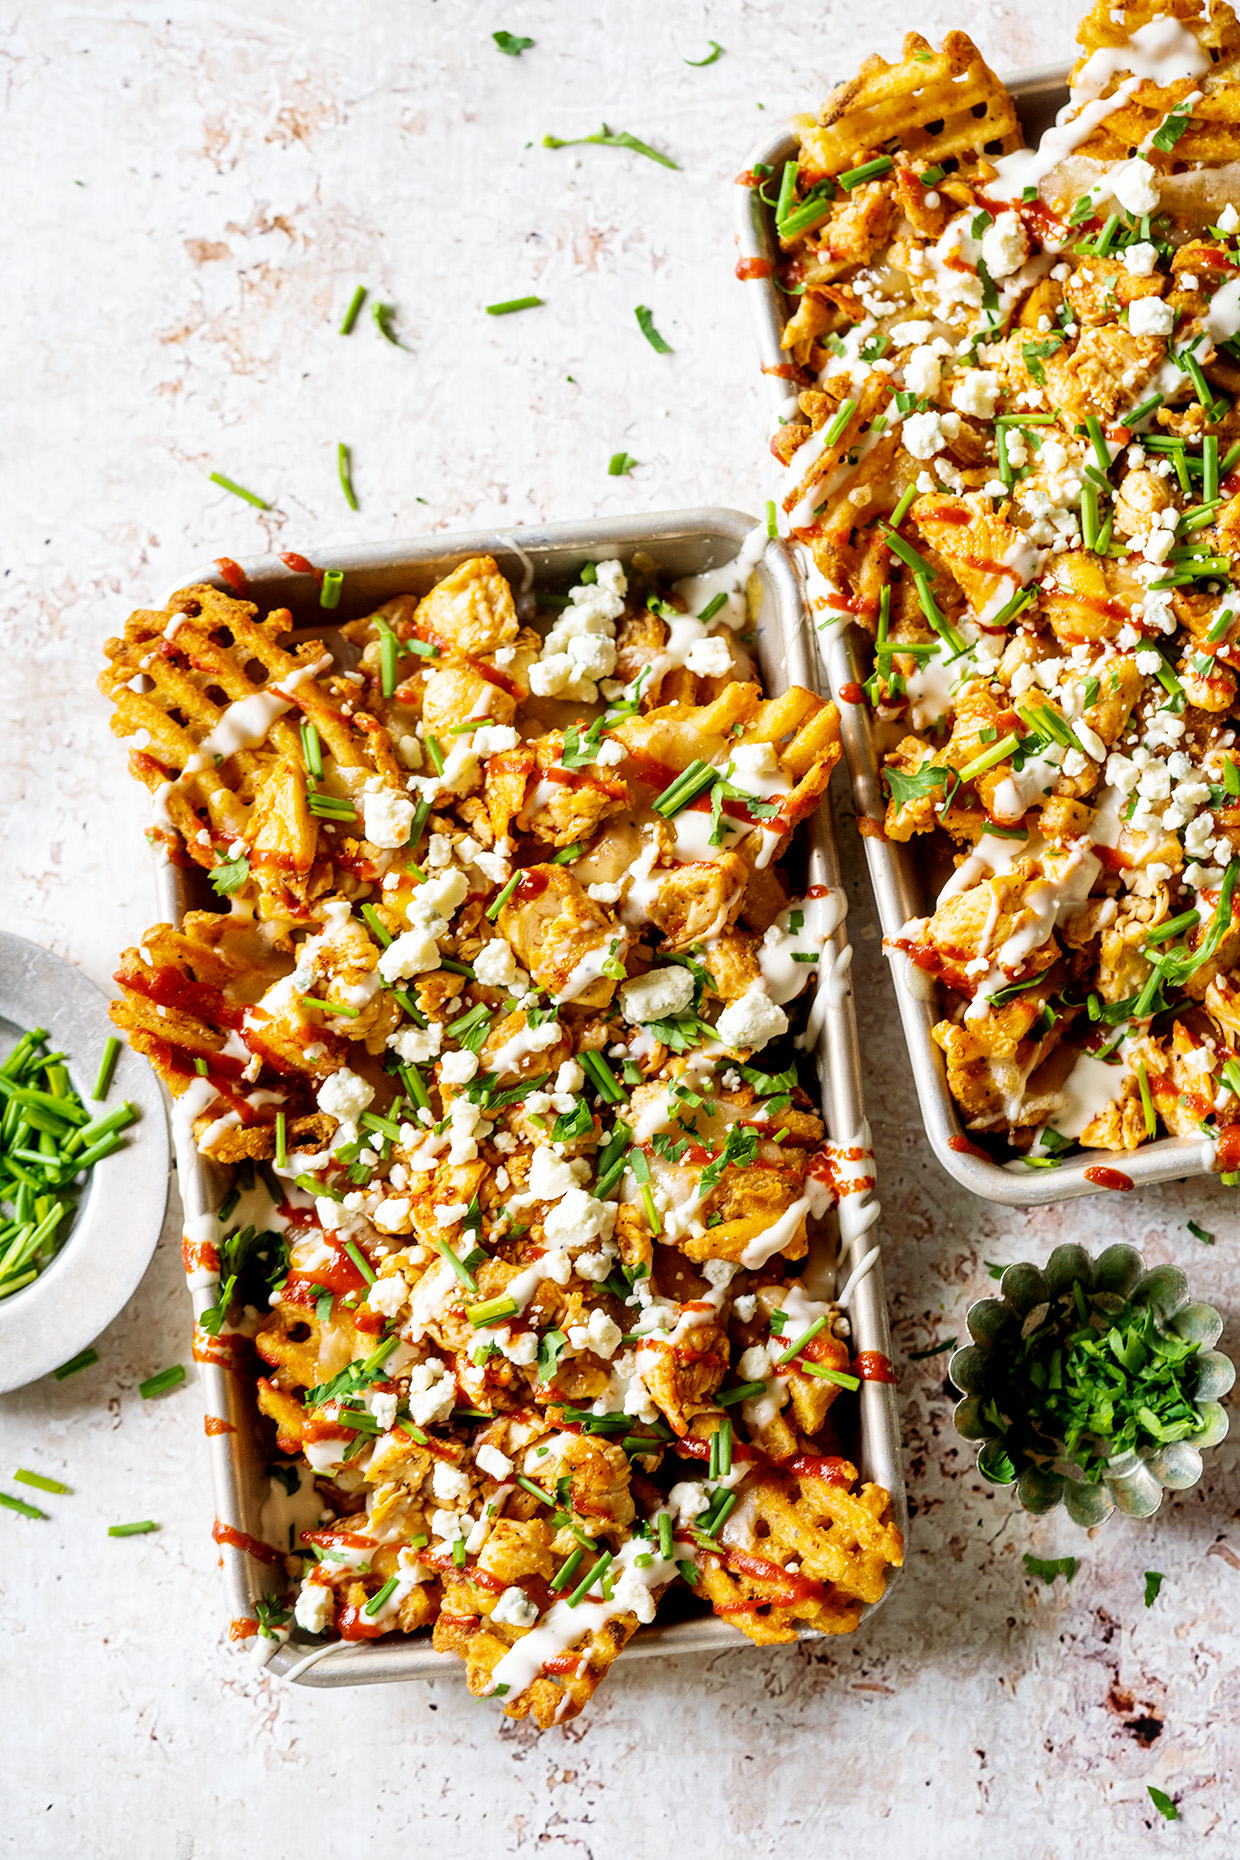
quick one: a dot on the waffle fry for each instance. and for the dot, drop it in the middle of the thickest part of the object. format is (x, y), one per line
(932, 106)
(506, 912)
(1012, 461)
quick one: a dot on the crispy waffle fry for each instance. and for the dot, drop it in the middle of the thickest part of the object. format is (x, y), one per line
(477, 924)
(932, 107)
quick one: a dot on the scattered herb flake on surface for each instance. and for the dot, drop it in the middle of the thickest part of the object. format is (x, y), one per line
(612, 139)
(1153, 1583)
(921, 1356)
(20, 1505)
(620, 464)
(344, 465)
(383, 314)
(1050, 1567)
(239, 490)
(645, 322)
(355, 303)
(716, 51)
(1200, 1234)
(82, 1360)
(510, 44)
(40, 1481)
(1163, 1803)
(513, 303)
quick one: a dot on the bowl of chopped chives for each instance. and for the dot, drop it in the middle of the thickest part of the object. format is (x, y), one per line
(83, 1163)
(1092, 1382)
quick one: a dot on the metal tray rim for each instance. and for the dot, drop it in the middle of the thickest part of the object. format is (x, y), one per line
(245, 1577)
(892, 868)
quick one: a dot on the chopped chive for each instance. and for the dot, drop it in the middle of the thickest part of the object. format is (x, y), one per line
(1093, 426)
(132, 1530)
(720, 1512)
(37, 1479)
(1209, 467)
(161, 1383)
(597, 1574)
(491, 1310)
(360, 1261)
(355, 304)
(567, 1570)
(903, 507)
(999, 752)
(372, 1607)
(387, 665)
(281, 1141)
(462, 1272)
(688, 785)
(839, 1376)
(513, 303)
(435, 752)
(839, 424)
(344, 466)
(239, 490)
(329, 593)
(330, 1007)
(19, 1504)
(1143, 412)
(868, 171)
(727, 1398)
(107, 1066)
(375, 924)
(712, 606)
(819, 1324)
(494, 909)
(382, 315)
(603, 1077)
(772, 519)
(645, 322)
(82, 1360)
(312, 750)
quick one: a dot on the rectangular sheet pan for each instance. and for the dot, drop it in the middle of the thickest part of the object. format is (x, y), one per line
(896, 871)
(682, 542)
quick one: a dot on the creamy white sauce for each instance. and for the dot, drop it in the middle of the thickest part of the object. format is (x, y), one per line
(765, 1245)
(563, 1627)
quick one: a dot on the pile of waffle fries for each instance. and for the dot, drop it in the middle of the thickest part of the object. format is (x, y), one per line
(493, 1018)
(1014, 458)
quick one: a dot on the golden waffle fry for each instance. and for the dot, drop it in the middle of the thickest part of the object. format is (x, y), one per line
(932, 107)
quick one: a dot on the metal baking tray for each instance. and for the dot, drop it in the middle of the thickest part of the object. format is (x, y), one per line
(681, 542)
(896, 871)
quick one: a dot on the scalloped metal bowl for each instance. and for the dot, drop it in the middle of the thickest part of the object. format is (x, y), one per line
(1133, 1483)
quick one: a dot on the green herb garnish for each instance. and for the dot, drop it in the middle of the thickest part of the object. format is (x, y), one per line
(1049, 1568)
(645, 322)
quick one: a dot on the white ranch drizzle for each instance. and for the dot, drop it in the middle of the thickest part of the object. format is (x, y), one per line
(732, 580)
(775, 1238)
(562, 1627)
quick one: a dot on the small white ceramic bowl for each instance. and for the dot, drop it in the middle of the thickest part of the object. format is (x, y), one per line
(121, 1210)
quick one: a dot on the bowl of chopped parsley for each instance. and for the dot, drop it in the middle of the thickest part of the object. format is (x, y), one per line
(1094, 1382)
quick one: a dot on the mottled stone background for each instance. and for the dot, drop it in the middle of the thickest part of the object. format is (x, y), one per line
(191, 193)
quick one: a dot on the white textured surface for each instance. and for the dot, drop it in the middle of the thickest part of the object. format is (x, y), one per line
(243, 168)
